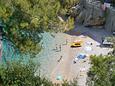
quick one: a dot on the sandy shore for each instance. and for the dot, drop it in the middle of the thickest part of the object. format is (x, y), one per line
(58, 61)
(66, 69)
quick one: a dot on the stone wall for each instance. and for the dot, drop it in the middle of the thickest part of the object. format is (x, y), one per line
(89, 10)
(110, 20)
(92, 9)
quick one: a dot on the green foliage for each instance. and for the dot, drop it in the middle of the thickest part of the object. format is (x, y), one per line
(69, 3)
(20, 74)
(102, 72)
(72, 83)
(23, 74)
(70, 23)
(66, 25)
(24, 20)
(66, 6)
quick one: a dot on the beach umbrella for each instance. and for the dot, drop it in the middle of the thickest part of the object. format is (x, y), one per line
(78, 41)
(88, 48)
(59, 77)
(81, 56)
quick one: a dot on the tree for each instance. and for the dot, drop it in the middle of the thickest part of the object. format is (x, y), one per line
(18, 73)
(21, 74)
(66, 6)
(24, 20)
(102, 72)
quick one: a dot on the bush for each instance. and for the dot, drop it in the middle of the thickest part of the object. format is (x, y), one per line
(102, 72)
(18, 73)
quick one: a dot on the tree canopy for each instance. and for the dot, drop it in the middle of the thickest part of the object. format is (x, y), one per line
(24, 20)
(18, 73)
(102, 72)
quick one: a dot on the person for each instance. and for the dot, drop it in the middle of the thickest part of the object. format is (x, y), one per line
(91, 43)
(60, 47)
(60, 59)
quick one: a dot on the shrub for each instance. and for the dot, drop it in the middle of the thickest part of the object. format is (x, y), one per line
(18, 73)
(102, 72)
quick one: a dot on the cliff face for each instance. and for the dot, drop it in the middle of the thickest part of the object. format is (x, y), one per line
(92, 14)
(110, 20)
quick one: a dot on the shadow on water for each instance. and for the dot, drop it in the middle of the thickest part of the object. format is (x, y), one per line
(8, 51)
(11, 53)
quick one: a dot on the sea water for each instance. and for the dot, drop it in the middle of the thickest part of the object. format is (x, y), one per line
(9, 53)
(48, 56)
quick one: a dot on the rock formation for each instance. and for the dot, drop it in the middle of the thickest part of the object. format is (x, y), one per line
(91, 13)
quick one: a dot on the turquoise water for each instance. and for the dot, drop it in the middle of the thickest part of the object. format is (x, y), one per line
(47, 57)
(8, 52)
(11, 54)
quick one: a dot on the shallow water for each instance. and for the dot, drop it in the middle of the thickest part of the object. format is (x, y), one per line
(49, 55)
(11, 54)
(8, 52)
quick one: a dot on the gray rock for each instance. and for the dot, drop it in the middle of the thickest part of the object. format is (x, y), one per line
(91, 10)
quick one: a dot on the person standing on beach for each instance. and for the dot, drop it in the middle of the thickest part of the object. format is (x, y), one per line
(60, 47)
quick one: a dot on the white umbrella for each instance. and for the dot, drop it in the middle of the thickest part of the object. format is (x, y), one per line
(88, 48)
(59, 77)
